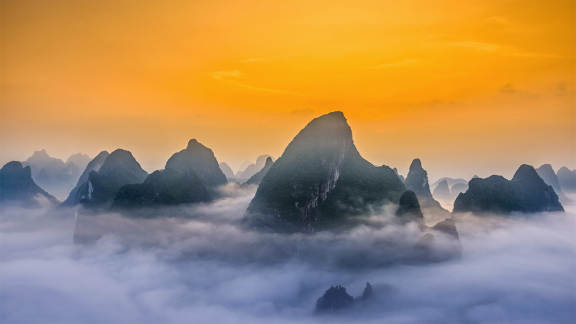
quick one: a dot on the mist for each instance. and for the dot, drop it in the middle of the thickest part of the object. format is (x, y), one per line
(203, 265)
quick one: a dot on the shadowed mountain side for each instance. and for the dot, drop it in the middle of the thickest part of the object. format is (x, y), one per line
(166, 187)
(200, 160)
(320, 180)
(119, 169)
(409, 208)
(17, 188)
(257, 178)
(190, 176)
(76, 195)
(526, 193)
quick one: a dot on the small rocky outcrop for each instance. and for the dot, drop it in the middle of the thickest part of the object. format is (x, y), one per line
(335, 299)
(448, 227)
(409, 208)
(525, 193)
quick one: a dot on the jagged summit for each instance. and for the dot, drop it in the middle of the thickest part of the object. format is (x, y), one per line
(417, 180)
(320, 180)
(18, 188)
(526, 193)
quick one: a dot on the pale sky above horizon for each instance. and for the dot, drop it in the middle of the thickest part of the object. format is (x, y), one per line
(474, 87)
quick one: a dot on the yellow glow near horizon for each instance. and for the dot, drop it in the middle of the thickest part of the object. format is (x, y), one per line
(478, 85)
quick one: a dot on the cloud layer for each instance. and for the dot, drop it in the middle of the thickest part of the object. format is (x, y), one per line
(203, 269)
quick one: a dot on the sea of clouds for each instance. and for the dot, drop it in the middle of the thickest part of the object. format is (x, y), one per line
(207, 268)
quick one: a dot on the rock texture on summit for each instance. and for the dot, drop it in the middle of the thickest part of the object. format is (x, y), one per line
(321, 181)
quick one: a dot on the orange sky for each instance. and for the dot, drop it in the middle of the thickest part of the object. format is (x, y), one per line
(468, 86)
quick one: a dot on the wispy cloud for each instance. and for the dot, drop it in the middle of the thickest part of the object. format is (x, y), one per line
(392, 65)
(499, 49)
(235, 77)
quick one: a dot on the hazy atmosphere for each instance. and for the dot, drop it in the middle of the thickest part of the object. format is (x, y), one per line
(490, 83)
(247, 162)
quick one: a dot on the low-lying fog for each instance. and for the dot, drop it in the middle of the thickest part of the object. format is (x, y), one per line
(208, 269)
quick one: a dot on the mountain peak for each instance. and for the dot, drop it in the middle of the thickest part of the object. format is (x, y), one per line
(193, 143)
(17, 169)
(416, 165)
(526, 172)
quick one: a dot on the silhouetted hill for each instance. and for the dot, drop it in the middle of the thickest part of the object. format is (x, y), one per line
(17, 188)
(409, 208)
(334, 299)
(190, 176)
(321, 180)
(119, 168)
(547, 174)
(526, 193)
(200, 160)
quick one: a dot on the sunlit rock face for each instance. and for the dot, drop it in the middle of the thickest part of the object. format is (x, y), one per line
(190, 176)
(525, 193)
(76, 195)
(257, 178)
(118, 169)
(321, 181)
(17, 188)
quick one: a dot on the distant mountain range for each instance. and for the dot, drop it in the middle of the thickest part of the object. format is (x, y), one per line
(525, 193)
(54, 175)
(320, 182)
